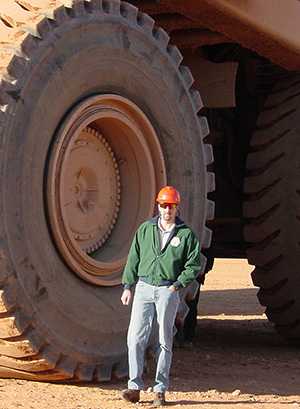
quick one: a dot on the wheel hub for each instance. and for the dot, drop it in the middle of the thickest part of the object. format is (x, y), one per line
(94, 179)
(105, 168)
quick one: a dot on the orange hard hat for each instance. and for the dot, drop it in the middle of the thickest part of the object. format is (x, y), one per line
(168, 194)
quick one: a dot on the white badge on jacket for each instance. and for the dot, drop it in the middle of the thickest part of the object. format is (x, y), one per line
(175, 241)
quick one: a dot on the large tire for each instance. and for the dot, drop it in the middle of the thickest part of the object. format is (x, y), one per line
(272, 204)
(53, 324)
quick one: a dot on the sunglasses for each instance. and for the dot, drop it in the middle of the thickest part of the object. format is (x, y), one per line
(168, 205)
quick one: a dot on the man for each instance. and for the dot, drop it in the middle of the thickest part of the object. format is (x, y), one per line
(164, 257)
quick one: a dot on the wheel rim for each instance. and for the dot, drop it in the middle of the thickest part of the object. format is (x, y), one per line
(105, 168)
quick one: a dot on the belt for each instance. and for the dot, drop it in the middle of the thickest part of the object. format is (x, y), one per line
(162, 283)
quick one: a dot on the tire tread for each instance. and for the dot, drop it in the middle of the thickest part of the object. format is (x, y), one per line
(271, 202)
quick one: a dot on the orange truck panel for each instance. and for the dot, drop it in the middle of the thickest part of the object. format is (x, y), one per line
(271, 28)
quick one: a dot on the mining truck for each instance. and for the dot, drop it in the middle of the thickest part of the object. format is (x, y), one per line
(102, 102)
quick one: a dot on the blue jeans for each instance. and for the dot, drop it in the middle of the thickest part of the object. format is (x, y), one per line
(149, 300)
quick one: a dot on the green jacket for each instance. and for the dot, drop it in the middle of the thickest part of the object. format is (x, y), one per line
(178, 262)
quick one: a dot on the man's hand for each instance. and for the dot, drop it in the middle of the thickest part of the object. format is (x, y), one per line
(126, 297)
(172, 288)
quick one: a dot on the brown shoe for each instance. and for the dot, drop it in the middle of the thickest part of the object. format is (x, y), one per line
(160, 399)
(131, 395)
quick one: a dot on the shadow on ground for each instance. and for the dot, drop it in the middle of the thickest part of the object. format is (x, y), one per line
(241, 301)
(237, 354)
(244, 353)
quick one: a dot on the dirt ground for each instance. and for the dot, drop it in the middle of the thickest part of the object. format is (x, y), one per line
(237, 360)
